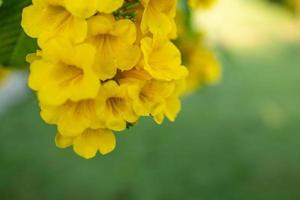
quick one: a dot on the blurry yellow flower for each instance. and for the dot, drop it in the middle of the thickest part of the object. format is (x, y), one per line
(89, 142)
(162, 60)
(64, 73)
(114, 42)
(46, 19)
(201, 3)
(204, 69)
(114, 106)
(158, 18)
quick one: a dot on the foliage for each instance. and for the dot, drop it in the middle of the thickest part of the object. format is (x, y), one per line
(14, 45)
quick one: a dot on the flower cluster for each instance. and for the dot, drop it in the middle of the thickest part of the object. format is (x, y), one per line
(102, 65)
(202, 63)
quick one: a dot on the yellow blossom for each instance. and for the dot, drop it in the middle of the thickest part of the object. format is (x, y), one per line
(89, 142)
(204, 69)
(171, 105)
(158, 18)
(162, 60)
(114, 42)
(64, 73)
(114, 106)
(72, 118)
(153, 97)
(46, 19)
(148, 97)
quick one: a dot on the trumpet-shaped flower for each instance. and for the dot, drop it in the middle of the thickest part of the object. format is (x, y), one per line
(89, 142)
(158, 18)
(162, 60)
(114, 106)
(72, 118)
(148, 96)
(114, 42)
(46, 19)
(171, 104)
(64, 73)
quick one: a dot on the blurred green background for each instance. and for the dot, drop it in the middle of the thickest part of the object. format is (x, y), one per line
(239, 140)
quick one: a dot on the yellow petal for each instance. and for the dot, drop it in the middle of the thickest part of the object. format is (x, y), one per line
(109, 6)
(172, 108)
(162, 61)
(63, 142)
(88, 143)
(114, 43)
(82, 8)
(106, 142)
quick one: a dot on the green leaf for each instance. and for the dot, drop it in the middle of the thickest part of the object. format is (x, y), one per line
(14, 44)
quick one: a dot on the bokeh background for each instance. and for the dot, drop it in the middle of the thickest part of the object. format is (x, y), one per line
(238, 140)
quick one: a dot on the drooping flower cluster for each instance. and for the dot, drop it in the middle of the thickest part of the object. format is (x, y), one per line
(102, 65)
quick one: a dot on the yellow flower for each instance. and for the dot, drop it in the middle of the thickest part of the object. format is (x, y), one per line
(153, 97)
(109, 6)
(72, 118)
(46, 19)
(82, 9)
(162, 60)
(171, 108)
(64, 73)
(171, 105)
(158, 18)
(204, 69)
(201, 3)
(89, 142)
(148, 96)
(114, 42)
(114, 106)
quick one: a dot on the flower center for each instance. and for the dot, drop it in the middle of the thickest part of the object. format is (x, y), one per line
(114, 103)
